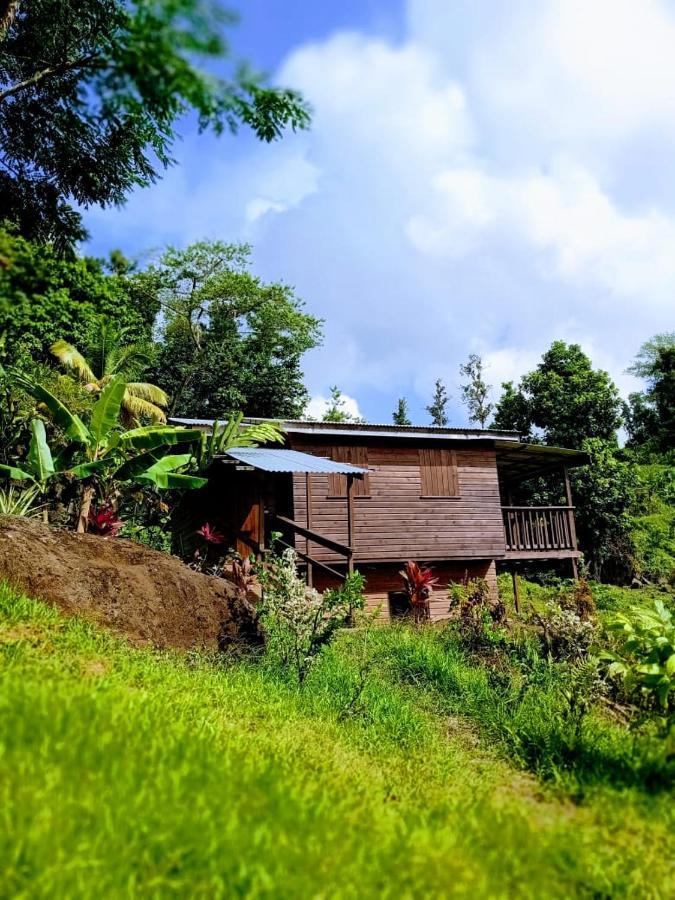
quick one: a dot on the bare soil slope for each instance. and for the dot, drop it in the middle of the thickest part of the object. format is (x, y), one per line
(145, 595)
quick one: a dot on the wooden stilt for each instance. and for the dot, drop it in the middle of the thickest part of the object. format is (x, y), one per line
(308, 490)
(350, 522)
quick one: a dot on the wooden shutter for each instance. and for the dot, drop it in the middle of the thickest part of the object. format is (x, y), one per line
(354, 456)
(438, 472)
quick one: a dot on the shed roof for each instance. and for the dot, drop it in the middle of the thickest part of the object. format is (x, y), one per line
(274, 460)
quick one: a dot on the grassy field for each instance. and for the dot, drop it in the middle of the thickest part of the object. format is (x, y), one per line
(401, 768)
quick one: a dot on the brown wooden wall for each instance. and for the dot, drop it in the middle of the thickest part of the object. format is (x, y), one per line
(396, 522)
(382, 579)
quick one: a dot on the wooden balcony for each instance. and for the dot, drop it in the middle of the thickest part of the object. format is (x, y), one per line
(537, 532)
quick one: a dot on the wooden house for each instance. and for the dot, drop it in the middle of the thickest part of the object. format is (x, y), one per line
(370, 497)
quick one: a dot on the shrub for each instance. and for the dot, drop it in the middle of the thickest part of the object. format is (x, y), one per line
(644, 660)
(297, 621)
(478, 615)
(565, 635)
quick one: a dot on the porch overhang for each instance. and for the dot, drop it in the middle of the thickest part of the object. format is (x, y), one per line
(517, 462)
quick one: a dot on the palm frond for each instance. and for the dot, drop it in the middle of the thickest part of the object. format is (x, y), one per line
(127, 361)
(71, 358)
(137, 408)
(146, 391)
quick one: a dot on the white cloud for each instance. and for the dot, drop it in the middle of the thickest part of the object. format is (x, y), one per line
(475, 186)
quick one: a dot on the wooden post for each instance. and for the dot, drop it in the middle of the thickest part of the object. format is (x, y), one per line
(350, 521)
(261, 523)
(308, 493)
(516, 590)
(572, 523)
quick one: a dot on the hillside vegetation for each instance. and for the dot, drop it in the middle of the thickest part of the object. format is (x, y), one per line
(402, 766)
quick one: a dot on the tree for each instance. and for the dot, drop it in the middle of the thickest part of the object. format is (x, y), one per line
(650, 415)
(44, 298)
(400, 414)
(512, 412)
(229, 341)
(111, 357)
(336, 411)
(565, 398)
(605, 493)
(90, 91)
(475, 393)
(437, 408)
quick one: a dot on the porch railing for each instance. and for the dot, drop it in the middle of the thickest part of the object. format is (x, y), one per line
(539, 528)
(291, 528)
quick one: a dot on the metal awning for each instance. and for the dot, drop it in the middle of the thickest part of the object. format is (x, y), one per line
(521, 461)
(272, 460)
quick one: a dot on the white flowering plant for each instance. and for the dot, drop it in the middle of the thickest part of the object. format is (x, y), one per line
(298, 621)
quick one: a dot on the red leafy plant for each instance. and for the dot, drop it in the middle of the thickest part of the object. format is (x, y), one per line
(419, 582)
(104, 522)
(210, 535)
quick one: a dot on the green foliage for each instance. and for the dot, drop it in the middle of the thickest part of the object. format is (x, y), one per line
(90, 93)
(100, 453)
(564, 398)
(44, 298)
(16, 501)
(400, 414)
(111, 355)
(653, 522)
(651, 413)
(479, 616)
(232, 433)
(437, 409)
(240, 752)
(475, 391)
(230, 342)
(605, 493)
(298, 621)
(645, 657)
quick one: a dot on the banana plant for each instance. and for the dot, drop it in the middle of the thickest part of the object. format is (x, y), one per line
(39, 466)
(102, 450)
(225, 436)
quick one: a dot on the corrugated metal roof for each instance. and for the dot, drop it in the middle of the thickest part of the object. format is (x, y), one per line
(365, 429)
(290, 461)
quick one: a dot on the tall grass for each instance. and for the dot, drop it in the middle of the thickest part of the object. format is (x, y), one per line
(134, 773)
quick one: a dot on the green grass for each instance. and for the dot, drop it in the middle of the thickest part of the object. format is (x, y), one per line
(134, 773)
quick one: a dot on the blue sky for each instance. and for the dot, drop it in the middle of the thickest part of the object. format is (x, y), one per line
(481, 176)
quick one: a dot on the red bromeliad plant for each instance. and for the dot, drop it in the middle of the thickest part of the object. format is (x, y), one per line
(210, 535)
(104, 522)
(419, 582)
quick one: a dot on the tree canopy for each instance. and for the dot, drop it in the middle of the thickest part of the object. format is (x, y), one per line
(90, 92)
(48, 298)
(565, 400)
(228, 340)
(650, 414)
(475, 391)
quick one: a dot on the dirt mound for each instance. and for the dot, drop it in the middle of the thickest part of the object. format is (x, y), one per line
(147, 596)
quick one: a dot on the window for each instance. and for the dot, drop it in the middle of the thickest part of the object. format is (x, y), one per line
(354, 456)
(399, 605)
(438, 473)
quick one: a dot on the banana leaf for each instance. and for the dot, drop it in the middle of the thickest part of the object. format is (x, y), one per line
(16, 474)
(106, 411)
(73, 426)
(39, 457)
(150, 437)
